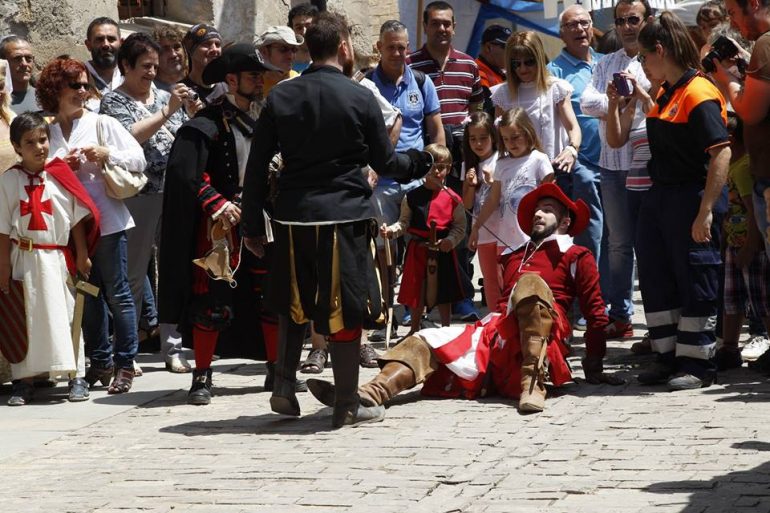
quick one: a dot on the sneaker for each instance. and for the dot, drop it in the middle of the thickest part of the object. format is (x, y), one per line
(406, 320)
(728, 357)
(580, 324)
(21, 393)
(465, 311)
(619, 330)
(684, 381)
(755, 348)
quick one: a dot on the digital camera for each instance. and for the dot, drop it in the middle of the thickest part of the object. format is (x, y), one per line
(722, 49)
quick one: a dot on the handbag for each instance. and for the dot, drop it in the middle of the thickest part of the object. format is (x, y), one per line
(118, 181)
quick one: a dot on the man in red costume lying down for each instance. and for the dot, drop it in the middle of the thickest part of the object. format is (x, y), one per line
(510, 351)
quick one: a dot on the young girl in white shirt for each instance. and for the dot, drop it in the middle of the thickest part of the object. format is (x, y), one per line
(521, 168)
(479, 161)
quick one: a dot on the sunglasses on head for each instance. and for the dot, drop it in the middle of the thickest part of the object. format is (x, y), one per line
(76, 86)
(516, 64)
(631, 20)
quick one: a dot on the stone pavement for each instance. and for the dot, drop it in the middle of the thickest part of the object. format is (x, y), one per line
(595, 448)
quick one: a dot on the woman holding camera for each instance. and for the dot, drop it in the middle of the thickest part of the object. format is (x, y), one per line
(153, 117)
(678, 233)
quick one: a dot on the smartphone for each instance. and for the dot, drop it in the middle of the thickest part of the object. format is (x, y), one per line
(622, 84)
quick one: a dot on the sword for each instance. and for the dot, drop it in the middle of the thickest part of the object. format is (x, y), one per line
(389, 265)
(82, 288)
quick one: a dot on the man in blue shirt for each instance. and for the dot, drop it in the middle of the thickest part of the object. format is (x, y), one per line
(575, 64)
(420, 112)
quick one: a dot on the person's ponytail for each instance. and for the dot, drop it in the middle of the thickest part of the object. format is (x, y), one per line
(669, 31)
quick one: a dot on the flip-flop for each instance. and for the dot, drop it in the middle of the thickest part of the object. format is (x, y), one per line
(315, 362)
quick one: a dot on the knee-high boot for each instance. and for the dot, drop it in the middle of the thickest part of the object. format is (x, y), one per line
(348, 410)
(403, 367)
(290, 338)
(532, 301)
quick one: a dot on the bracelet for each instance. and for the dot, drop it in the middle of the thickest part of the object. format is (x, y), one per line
(165, 116)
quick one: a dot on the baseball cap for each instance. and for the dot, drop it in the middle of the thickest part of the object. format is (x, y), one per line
(496, 34)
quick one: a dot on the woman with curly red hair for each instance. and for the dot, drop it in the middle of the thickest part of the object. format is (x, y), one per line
(62, 89)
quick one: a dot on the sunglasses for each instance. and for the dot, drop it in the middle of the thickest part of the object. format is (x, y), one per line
(631, 20)
(515, 64)
(573, 25)
(77, 86)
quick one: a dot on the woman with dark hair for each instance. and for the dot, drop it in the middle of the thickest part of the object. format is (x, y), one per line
(62, 89)
(679, 219)
(153, 117)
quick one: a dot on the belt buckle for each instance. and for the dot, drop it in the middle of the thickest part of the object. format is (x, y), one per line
(26, 244)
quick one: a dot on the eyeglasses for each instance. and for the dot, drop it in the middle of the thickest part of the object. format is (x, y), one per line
(77, 86)
(526, 62)
(572, 25)
(631, 20)
(642, 57)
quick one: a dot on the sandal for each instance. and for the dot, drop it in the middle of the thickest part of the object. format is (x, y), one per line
(368, 357)
(100, 374)
(124, 378)
(315, 362)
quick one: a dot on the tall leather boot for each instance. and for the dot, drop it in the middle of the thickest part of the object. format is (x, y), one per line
(348, 410)
(290, 338)
(404, 366)
(532, 301)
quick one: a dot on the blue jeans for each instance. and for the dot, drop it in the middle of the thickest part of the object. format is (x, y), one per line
(620, 245)
(760, 209)
(585, 186)
(149, 315)
(109, 273)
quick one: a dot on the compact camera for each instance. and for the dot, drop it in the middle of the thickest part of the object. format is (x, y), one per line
(192, 96)
(722, 49)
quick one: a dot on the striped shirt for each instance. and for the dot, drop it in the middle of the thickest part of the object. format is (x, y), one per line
(458, 85)
(594, 102)
(638, 178)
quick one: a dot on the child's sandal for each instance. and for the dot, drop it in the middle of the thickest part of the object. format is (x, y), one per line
(124, 378)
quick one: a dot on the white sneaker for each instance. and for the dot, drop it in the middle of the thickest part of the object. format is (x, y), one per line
(177, 363)
(755, 348)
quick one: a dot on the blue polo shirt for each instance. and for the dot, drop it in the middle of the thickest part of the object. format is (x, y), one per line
(413, 104)
(578, 73)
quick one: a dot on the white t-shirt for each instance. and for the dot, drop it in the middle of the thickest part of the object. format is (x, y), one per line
(482, 193)
(517, 177)
(541, 109)
(124, 151)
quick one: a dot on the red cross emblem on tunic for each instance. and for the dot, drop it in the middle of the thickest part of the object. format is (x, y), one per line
(36, 207)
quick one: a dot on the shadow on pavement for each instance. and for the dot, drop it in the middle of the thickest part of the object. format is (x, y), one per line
(267, 423)
(735, 492)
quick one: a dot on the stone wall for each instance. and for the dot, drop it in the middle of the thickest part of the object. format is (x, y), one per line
(53, 27)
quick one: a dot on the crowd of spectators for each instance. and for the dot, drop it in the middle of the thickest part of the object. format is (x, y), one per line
(659, 128)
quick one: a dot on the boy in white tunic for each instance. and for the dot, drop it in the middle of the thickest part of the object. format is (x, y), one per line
(48, 228)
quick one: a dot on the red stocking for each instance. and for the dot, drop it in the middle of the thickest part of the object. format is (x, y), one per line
(204, 343)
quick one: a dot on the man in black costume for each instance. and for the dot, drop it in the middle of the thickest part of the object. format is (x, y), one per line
(201, 211)
(328, 128)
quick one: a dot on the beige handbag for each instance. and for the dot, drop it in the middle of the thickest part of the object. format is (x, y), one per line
(119, 182)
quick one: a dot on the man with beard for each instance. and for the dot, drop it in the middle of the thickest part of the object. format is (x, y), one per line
(103, 41)
(508, 351)
(328, 128)
(18, 53)
(171, 60)
(204, 176)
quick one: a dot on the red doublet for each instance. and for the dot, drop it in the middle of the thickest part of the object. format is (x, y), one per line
(571, 272)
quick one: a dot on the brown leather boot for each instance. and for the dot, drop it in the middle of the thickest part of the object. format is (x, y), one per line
(394, 377)
(532, 300)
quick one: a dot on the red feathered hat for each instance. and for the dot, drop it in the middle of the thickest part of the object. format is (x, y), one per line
(578, 209)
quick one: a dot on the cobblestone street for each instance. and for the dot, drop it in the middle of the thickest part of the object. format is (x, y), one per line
(595, 448)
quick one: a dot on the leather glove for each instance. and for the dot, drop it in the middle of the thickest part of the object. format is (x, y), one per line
(422, 162)
(595, 375)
